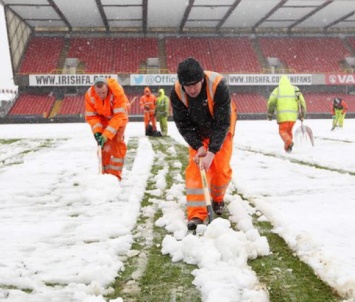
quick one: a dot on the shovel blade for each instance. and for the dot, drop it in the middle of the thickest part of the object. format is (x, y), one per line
(305, 132)
(310, 134)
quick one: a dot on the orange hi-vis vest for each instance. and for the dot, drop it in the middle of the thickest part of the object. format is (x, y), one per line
(212, 81)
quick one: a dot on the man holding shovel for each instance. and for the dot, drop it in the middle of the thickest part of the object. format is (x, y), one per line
(289, 104)
(205, 117)
(339, 109)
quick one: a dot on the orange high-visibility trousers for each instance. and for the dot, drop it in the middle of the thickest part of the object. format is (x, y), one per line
(218, 177)
(149, 116)
(285, 131)
(113, 154)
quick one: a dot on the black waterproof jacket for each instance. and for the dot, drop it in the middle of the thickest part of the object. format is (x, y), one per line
(195, 122)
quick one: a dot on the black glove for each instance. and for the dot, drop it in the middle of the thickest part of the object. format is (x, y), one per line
(269, 116)
(97, 136)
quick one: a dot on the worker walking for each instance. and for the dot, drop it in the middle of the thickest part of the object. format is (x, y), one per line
(289, 104)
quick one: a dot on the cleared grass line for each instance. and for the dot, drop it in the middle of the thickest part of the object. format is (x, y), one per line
(297, 161)
(150, 276)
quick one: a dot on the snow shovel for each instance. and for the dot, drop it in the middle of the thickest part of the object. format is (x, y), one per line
(305, 132)
(206, 192)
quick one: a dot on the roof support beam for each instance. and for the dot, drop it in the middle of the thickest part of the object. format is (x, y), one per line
(339, 20)
(59, 12)
(186, 15)
(228, 13)
(269, 14)
(102, 14)
(145, 16)
(310, 14)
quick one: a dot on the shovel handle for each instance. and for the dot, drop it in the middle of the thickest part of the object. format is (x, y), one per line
(206, 192)
(99, 159)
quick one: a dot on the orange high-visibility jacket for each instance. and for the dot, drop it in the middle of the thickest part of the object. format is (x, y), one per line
(342, 106)
(148, 101)
(109, 115)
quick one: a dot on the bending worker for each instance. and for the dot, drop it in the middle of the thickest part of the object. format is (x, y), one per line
(105, 111)
(204, 115)
(339, 110)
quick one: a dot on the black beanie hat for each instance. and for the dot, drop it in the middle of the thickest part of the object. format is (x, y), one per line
(190, 72)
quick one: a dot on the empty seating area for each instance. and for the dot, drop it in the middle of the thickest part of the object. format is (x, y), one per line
(130, 53)
(306, 55)
(178, 49)
(250, 103)
(32, 104)
(112, 55)
(234, 55)
(95, 54)
(222, 54)
(42, 55)
(225, 55)
(72, 105)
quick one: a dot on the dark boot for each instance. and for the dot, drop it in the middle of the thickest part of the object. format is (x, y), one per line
(218, 207)
(193, 222)
(289, 148)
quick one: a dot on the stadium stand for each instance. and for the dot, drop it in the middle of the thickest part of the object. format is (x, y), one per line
(72, 105)
(306, 55)
(112, 55)
(178, 49)
(32, 104)
(237, 54)
(249, 102)
(130, 54)
(42, 55)
(240, 55)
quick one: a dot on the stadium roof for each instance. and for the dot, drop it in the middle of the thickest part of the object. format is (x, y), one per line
(185, 16)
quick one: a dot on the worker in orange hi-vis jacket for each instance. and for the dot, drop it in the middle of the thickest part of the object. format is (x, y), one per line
(106, 112)
(148, 104)
(339, 109)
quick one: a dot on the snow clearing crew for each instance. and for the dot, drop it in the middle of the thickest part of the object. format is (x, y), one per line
(289, 104)
(206, 118)
(106, 112)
